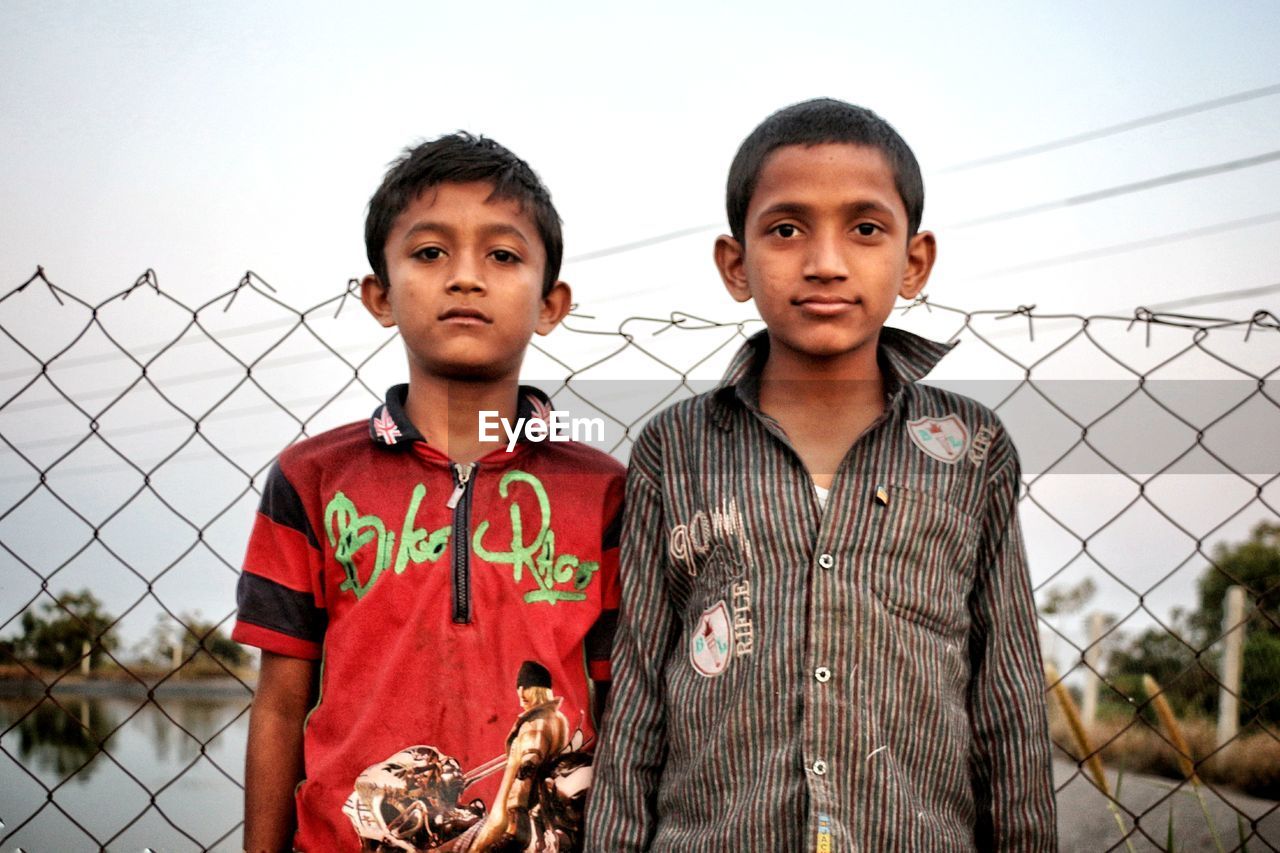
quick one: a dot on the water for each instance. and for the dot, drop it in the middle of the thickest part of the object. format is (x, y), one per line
(178, 799)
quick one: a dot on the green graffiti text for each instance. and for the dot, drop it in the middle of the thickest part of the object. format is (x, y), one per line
(349, 531)
(551, 573)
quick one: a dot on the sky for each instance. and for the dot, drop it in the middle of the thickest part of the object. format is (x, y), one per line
(203, 140)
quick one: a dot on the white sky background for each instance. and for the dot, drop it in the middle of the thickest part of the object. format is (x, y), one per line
(204, 140)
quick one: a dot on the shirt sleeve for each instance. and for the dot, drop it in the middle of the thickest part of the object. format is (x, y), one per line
(599, 640)
(279, 598)
(621, 813)
(1012, 770)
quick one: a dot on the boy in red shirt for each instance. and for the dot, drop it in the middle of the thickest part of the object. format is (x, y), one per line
(429, 569)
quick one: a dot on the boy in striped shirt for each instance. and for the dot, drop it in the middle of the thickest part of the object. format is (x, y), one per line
(827, 638)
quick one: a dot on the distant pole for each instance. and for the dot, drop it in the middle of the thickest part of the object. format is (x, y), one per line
(176, 658)
(1092, 659)
(1049, 646)
(86, 657)
(1228, 695)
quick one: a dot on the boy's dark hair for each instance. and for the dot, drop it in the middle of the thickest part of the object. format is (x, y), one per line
(817, 122)
(459, 158)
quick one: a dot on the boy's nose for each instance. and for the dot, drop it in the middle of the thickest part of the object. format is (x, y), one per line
(466, 284)
(825, 261)
(466, 278)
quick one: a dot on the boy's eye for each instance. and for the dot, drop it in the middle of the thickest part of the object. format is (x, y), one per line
(430, 253)
(502, 256)
(786, 230)
(866, 229)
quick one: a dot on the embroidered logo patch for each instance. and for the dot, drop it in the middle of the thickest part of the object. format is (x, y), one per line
(711, 644)
(945, 439)
(384, 426)
(541, 411)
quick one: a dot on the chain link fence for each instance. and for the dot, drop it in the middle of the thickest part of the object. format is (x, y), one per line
(137, 431)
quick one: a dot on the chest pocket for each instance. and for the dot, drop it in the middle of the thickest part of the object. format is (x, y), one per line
(921, 555)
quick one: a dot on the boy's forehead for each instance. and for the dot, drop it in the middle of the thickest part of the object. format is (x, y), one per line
(454, 204)
(852, 173)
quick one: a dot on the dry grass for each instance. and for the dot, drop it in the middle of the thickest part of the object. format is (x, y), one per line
(1251, 763)
(1085, 750)
(1172, 728)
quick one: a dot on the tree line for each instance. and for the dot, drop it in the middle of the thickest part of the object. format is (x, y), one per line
(75, 631)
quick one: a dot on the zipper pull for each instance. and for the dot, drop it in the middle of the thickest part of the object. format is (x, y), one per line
(464, 476)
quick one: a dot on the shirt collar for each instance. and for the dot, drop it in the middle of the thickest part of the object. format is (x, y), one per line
(391, 427)
(904, 358)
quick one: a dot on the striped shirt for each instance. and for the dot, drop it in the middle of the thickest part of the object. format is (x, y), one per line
(865, 678)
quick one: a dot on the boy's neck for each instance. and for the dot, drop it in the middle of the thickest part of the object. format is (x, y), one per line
(822, 405)
(852, 379)
(447, 412)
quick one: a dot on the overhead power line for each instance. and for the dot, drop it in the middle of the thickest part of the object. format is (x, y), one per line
(1111, 130)
(1130, 246)
(1123, 189)
(1213, 298)
(648, 241)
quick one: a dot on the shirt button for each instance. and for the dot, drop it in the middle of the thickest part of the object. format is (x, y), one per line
(822, 674)
(819, 768)
(826, 561)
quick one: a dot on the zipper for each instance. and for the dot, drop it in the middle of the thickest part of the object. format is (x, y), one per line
(460, 503)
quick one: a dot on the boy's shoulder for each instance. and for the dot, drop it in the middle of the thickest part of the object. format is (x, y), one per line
(925, 399)
(690, 415)
(575, 456)
(331, 447)
(556, 454)
(956, 430)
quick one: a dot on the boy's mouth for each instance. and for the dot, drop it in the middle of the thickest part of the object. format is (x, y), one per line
(824, 305)
(463, 316)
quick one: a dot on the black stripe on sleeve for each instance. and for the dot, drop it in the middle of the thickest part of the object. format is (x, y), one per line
(599, 641)
(267, 604)
(281, 504)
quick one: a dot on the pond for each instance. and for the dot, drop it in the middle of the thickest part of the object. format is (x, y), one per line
(167, 775)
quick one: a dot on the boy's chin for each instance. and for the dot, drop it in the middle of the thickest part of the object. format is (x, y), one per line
(463, 370)
(828, 347)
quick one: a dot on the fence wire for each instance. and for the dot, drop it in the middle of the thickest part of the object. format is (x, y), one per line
(137, 437)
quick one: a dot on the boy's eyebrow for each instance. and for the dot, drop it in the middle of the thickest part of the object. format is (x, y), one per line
(858, 208)
(494, 229)
(502, 229)
(853, 208)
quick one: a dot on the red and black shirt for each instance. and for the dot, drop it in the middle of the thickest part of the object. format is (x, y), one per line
(424, 587)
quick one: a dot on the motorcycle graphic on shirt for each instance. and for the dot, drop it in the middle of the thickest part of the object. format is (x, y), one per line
(413, 801)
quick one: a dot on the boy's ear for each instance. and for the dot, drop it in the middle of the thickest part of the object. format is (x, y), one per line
(373, 293)
(555, 305)
(730, 260)
(922, 250)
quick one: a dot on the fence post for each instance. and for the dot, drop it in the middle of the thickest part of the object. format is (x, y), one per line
(1093, 659)
(1229, 692)
(86, 657)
